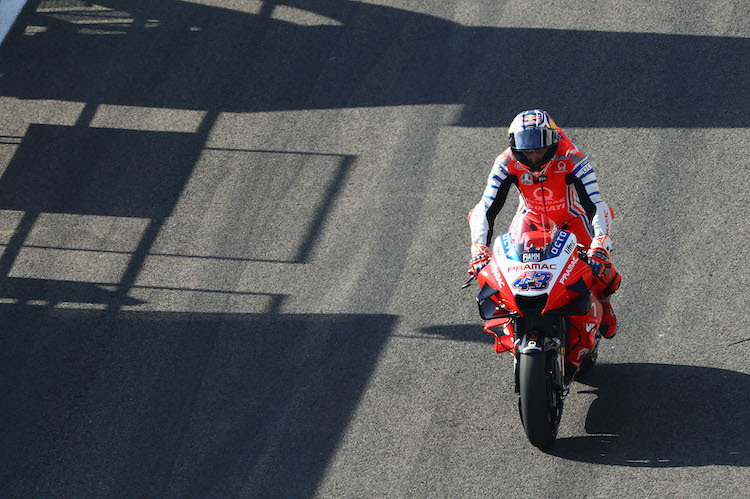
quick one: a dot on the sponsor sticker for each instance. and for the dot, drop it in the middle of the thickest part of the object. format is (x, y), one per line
(568, 270)
(507, 243)
(533, 266)
(496, 274)
(557, 245)
(533, 119)
(532, 257)
(550, 205)
(541, 193)
(533, 281)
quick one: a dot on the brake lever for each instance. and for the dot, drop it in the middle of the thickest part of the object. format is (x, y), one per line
(468, 283)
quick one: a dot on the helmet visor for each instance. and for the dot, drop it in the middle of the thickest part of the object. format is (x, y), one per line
(536, 138)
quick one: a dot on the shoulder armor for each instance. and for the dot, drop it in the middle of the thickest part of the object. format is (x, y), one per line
(577, 157)
(504, 157)
(503, 160)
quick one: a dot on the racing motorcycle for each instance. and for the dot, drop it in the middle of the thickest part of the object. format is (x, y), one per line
(536, 300)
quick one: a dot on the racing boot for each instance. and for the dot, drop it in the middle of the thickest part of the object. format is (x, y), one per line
(607, 282)
(608, 327)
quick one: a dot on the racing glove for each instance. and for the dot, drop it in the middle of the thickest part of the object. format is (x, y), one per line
(599, 262)
(598, 256)
(480, 256)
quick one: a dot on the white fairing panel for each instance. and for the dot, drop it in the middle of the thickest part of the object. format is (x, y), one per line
(534, 278)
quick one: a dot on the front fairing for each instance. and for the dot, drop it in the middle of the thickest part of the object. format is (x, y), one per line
(536, 277)
(532, 266)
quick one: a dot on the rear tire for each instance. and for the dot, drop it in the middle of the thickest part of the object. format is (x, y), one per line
(539, 412)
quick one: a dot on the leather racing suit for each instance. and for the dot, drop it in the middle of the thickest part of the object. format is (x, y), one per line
(567, 191)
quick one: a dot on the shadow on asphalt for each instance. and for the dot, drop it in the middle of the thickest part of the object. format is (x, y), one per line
(104, 402)
(459, 332)
(181, 55)
(658, 415)
(662, 415)
(160, 404)
(177, 404)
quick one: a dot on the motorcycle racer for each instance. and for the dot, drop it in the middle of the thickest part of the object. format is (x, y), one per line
(555, 178)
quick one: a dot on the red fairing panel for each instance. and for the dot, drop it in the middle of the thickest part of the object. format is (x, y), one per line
(574, 269)
(491, 275)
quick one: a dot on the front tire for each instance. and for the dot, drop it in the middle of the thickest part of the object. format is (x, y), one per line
(538, 401)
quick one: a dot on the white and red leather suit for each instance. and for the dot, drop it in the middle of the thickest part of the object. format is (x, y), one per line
(566, 190)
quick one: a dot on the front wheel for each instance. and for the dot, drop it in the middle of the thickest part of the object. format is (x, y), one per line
(539, 404)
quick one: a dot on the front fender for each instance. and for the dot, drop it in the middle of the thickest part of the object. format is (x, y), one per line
(532, 342)
(535, 344)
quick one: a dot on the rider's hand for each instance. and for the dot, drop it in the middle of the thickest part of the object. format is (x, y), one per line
(602, 268)
(598, 255)
(599, 262)
(480, 256)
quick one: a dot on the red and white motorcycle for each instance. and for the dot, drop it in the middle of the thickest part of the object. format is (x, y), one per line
(536, 298)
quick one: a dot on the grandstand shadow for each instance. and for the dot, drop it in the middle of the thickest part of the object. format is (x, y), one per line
(177, 404)
(294, 54)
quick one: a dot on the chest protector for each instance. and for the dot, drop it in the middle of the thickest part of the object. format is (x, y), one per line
(548, 191)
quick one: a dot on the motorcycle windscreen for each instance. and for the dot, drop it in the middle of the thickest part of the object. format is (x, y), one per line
(531, 235)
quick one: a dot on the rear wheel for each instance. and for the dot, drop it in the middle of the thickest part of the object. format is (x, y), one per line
(539, 403)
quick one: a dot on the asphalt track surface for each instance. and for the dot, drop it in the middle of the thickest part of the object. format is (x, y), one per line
(234, 234)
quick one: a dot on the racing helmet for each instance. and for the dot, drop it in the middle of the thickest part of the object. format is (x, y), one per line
(531, 131)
